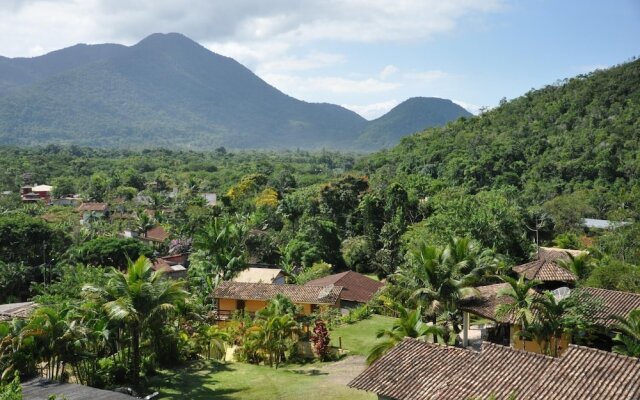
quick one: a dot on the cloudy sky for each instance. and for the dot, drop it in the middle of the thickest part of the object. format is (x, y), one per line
(367, 55)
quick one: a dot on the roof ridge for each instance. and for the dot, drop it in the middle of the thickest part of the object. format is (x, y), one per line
(612, 290)
(604, 352)
(512, 349)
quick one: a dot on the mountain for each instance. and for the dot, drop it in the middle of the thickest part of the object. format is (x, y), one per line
(165, 91)
(580, 134)
(410, 116)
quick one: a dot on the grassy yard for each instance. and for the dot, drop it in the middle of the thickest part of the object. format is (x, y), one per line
(358, 338)
(212, 380)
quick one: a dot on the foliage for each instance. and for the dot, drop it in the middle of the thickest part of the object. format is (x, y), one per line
(317, 270)
(142, 299)
(320, 340)
(615, 275)
(409, 324)
(11, 390)
(627, 338)
(439, 277)
(222, 242)
(29, 240)
(110, 251)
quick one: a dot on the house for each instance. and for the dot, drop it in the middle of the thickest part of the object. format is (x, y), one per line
(592, 223)
(12, 311)
(36, 193)
(70, 200)
(174, 266)
(546, 268)
(93, 210)
(425, 371)
(356, 288)
(486, 301)
(275, 276)
(251, 297)
(155, 236)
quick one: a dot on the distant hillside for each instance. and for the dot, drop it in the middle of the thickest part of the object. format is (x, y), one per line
(166, 91)
(580, 134)
(411, 116)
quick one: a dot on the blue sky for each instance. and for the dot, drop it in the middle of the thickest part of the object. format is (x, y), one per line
(367, 55)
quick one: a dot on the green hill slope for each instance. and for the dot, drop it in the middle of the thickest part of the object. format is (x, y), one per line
(410, 116)
(582, 133)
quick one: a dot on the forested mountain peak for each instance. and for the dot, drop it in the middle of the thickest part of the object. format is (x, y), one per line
(169, 91)
(410, 116)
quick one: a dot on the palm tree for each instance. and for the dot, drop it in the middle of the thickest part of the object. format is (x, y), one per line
(440, 278)
(144, 223)
(523, 302)
(223, 242)
(580, 265)
(139, 298)
(628, 337)
(409, 324)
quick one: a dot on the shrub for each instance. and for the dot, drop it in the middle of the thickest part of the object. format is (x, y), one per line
(320, 340)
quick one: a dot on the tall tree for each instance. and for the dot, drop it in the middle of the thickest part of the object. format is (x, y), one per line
(140, 297)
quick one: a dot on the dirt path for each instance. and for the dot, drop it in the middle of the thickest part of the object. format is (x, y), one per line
(339, 372)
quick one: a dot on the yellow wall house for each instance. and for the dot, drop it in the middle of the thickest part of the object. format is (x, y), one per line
(252, 297)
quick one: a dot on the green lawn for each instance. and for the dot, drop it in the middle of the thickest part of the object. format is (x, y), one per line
(212, 380)
(358, 338)
(321, 381)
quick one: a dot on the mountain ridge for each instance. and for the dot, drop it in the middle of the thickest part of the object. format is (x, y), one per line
(165, 91)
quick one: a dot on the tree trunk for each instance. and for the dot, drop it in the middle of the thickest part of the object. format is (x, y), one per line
(434, 321)
(135, 360)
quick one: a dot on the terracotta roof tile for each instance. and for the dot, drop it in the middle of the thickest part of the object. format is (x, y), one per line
(545, 271)
(356, 287)
(416, 370)
(157, 234)
(265, 291)
(16, 310)
(613, 303)
(485, 302)
(586, 373)
(497, 370)
(413, 370)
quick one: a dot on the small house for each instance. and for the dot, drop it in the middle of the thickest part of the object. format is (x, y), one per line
(246, 297)
(274, 276)
(357, 289)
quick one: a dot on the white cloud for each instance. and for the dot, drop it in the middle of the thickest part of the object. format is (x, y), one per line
(56, 23)
(302, 87)
(374, 110)
(388, 71)
(472, 108)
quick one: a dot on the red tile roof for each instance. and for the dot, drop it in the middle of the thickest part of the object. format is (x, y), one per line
(416, 370)
(356, 287)
(413, 370)
(585, 373)
(156, 234)
(486, 300)
(613, 303)
(16, 310)
(328, 294)
(544, 270)
(497, 370)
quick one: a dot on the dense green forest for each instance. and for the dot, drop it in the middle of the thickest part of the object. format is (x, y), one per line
(470, 198)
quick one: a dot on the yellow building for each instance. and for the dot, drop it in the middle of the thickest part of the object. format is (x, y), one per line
(252, 297)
